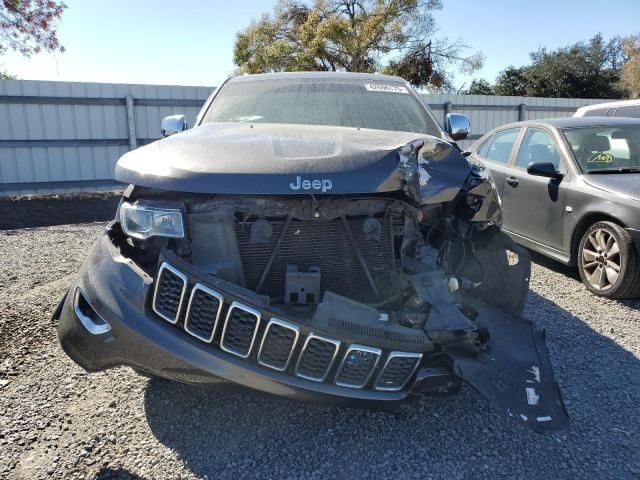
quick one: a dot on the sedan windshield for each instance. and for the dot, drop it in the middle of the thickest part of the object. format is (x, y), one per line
(380, 105)
(606, 149)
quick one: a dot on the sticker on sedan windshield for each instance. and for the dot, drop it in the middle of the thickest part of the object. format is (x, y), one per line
(600, 158)
(378, 87)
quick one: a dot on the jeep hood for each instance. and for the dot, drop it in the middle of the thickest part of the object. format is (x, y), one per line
(245, 158)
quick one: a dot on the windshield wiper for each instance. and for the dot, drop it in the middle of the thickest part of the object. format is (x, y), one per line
(616, 170)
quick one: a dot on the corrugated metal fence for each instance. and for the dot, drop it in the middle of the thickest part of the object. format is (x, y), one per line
(67, 136)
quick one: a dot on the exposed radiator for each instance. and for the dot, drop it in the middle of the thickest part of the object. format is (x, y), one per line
(323, 244)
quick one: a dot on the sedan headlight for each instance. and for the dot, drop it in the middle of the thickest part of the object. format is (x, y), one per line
(143, 221)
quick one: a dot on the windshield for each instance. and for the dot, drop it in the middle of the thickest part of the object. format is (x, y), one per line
(381, 105)
(605, 149)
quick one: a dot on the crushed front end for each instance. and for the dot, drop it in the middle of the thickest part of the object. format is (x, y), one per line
(343, 298)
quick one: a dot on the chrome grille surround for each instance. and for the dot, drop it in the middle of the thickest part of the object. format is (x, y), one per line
(310, 338)
(358, 348)
(252, 311)
(416, 356)
(179, 274)
(218, 296)
(278, 348)
(286, 325)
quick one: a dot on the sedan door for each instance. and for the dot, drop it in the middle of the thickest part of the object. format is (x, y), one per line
(533, 206)
(496, 152)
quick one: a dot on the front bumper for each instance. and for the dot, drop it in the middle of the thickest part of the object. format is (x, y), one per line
(119, 293)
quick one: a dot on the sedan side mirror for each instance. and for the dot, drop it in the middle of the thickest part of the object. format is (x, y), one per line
(544, 169)
(173, 124)
(457, 126)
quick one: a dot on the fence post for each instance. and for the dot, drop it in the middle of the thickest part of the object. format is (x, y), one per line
(447, 110)
(131, 123)
(522, 111)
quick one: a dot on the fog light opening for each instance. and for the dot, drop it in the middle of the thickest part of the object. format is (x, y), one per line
(89, 318)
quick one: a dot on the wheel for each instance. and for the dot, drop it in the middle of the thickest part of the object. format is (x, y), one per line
(608, 261)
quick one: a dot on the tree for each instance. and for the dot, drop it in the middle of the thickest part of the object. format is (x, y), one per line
(583, 70)
(478, 87)
(630, 71)
(391, 36)
(6, 76)
(29, 26)
(511, 81)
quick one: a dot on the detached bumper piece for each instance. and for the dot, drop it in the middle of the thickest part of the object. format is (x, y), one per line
(250, 333)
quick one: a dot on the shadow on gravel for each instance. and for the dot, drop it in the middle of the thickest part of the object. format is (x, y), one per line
(236, 436)
(44, 211)
(116, 474)
(554, 265)
(572, 272)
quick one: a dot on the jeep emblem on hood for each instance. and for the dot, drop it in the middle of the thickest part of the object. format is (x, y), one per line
(323, 184)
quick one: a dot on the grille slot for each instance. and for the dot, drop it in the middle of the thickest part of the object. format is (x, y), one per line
(397, 371)
(358, 365)
(323, 244)
(277, 345)
(203, 312)
(171, 286)
(317, 357)
(240, 329)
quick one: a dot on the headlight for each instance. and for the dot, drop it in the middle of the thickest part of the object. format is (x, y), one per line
(143, 221)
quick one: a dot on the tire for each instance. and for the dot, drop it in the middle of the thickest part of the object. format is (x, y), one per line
(608, 261)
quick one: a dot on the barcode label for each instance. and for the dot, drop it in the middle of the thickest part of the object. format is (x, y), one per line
(377, 87)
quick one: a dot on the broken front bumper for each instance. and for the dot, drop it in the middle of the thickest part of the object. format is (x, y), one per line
(112, 317)
(107, 320)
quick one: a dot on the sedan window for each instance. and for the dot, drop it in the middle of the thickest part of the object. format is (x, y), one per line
(484, 148)
(502, 144)
(538, 146)
(632, 111)
(596, 112)
(605, 149)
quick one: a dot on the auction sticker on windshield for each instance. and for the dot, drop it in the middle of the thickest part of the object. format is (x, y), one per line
(377, 87)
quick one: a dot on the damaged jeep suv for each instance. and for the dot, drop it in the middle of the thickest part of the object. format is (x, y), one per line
(316, 236)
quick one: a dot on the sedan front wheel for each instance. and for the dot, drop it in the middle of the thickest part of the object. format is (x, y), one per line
(608, 261)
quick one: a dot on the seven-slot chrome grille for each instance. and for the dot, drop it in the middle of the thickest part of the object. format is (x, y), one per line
(171, 286)
(275, 343)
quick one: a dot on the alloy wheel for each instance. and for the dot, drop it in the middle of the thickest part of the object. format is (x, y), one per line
(601, 260)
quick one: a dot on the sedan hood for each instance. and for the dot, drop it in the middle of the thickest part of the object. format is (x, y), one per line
(248, 158)
(626, 184)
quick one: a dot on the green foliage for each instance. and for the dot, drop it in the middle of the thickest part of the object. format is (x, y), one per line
(391, 36)
(511, 81)
(6, 76)
(583, 70)
(478, 87)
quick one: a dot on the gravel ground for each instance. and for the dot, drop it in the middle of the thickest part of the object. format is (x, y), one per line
(58, 421)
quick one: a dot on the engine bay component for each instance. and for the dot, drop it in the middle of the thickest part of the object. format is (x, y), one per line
(302, 288)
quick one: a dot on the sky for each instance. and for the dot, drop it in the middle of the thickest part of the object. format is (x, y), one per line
(190, 42)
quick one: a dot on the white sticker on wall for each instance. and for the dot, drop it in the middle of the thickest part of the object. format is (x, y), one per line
(378, 87)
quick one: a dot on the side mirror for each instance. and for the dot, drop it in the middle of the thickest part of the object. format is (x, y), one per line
(173, 124)
(544, 169)
(457, 126)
